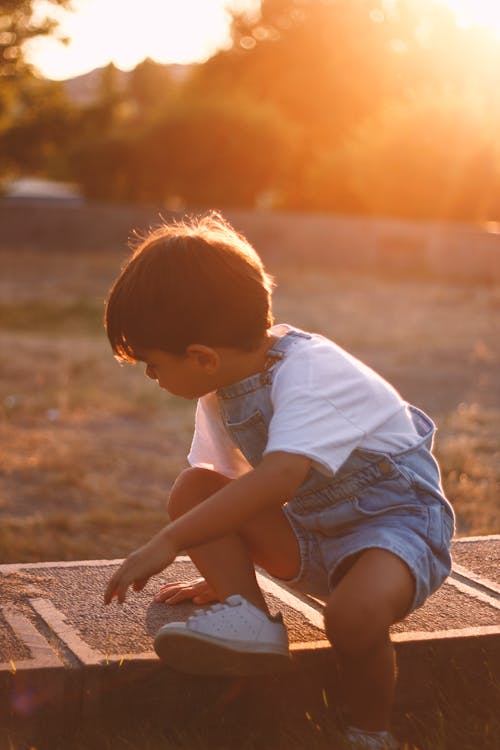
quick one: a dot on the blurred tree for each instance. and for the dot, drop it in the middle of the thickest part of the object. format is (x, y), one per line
(103, 165)
(108, 109)
(431, 157)
(17, 26)
(357, 106)
(149, 87)
(36, 138)
(225, 152)
(228, 151)
(34, 114)
(328, 63)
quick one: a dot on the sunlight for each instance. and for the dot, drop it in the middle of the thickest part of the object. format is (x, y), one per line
(476, 12)
(124, 32)
(101, 31)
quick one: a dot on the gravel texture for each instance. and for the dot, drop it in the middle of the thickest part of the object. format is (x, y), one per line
(449, 609)
(11, 649)
(130, 628)
(77, 592)
(481, 557)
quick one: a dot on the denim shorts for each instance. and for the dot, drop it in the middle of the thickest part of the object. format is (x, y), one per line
(392, 502)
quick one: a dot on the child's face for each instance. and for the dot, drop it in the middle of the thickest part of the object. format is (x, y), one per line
(181, 375)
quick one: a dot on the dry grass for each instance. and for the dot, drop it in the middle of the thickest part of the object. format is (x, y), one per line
(254, 726)
(88, 449)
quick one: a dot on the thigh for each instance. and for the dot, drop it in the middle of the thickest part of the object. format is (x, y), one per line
(272, 543)
(268, 535)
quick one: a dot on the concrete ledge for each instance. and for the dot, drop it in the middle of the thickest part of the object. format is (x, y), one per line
(70, 652)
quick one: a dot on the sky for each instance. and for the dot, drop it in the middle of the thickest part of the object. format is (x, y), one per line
(127, 31)
(182, 31)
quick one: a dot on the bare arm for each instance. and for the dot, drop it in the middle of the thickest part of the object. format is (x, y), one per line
(274, 481)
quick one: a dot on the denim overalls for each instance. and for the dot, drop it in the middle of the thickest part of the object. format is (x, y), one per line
(390, 501)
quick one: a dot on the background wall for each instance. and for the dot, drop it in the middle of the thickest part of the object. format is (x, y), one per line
(409, 248)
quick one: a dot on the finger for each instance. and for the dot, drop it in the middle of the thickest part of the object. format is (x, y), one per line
(205, 598)
(161, 596)
(139, 584)
(121, 589)
(170, 588)
(166, 593)
(202, 588)
(183, 584)
(205, 594)
(111, 588)
(179, 596)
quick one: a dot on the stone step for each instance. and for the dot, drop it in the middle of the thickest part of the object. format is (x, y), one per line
(65, 657)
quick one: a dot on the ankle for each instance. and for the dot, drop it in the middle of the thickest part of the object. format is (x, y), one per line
(256, 599)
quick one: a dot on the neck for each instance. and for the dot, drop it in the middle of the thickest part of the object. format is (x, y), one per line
(237, 365)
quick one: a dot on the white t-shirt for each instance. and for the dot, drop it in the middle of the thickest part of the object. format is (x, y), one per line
(326, 403)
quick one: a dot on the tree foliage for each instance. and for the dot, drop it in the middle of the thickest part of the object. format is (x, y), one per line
(149, 88)
(34, 142)
(350, 106)
(17, 26)
(34, 116)
(189, 155)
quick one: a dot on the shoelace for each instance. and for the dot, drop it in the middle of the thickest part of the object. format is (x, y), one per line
(199, 613)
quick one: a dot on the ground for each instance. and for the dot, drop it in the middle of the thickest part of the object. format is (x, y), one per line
(89, 449)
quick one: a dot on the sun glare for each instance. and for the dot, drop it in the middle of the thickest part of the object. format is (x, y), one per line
(181, 31)
(476, 12)
(125, 32)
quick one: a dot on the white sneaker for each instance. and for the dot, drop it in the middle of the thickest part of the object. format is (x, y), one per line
(233, 637)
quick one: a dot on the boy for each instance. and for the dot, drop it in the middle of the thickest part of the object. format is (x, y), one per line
(304, 461)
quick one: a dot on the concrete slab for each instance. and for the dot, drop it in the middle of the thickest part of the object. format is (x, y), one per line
(478, 559)
(22, 646)
(12, 647)
(72, 607)
(60, 643)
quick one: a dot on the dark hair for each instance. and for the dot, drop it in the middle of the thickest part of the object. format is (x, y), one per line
(188, 282)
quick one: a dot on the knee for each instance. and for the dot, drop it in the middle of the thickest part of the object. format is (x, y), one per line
(191, 487)
(354, 627)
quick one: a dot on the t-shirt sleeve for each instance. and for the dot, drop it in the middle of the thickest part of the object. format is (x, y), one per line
(212, 447)
(313, 413)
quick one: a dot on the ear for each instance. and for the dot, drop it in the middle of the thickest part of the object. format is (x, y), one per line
(205, 357)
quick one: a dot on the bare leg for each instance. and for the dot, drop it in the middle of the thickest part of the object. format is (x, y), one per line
(227, 564)
(376, 592)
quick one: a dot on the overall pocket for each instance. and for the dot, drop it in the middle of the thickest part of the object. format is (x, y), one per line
(250, 436)
(395, 496)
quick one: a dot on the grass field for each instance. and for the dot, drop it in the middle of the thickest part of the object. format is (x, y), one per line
(89, 449)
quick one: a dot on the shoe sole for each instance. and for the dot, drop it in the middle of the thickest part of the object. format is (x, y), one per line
(203, 656)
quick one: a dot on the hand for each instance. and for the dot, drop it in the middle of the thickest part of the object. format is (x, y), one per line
(198, 591)
(139, 566)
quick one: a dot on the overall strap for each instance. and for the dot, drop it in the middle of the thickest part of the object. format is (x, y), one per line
(278, 350)
(274, 356)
